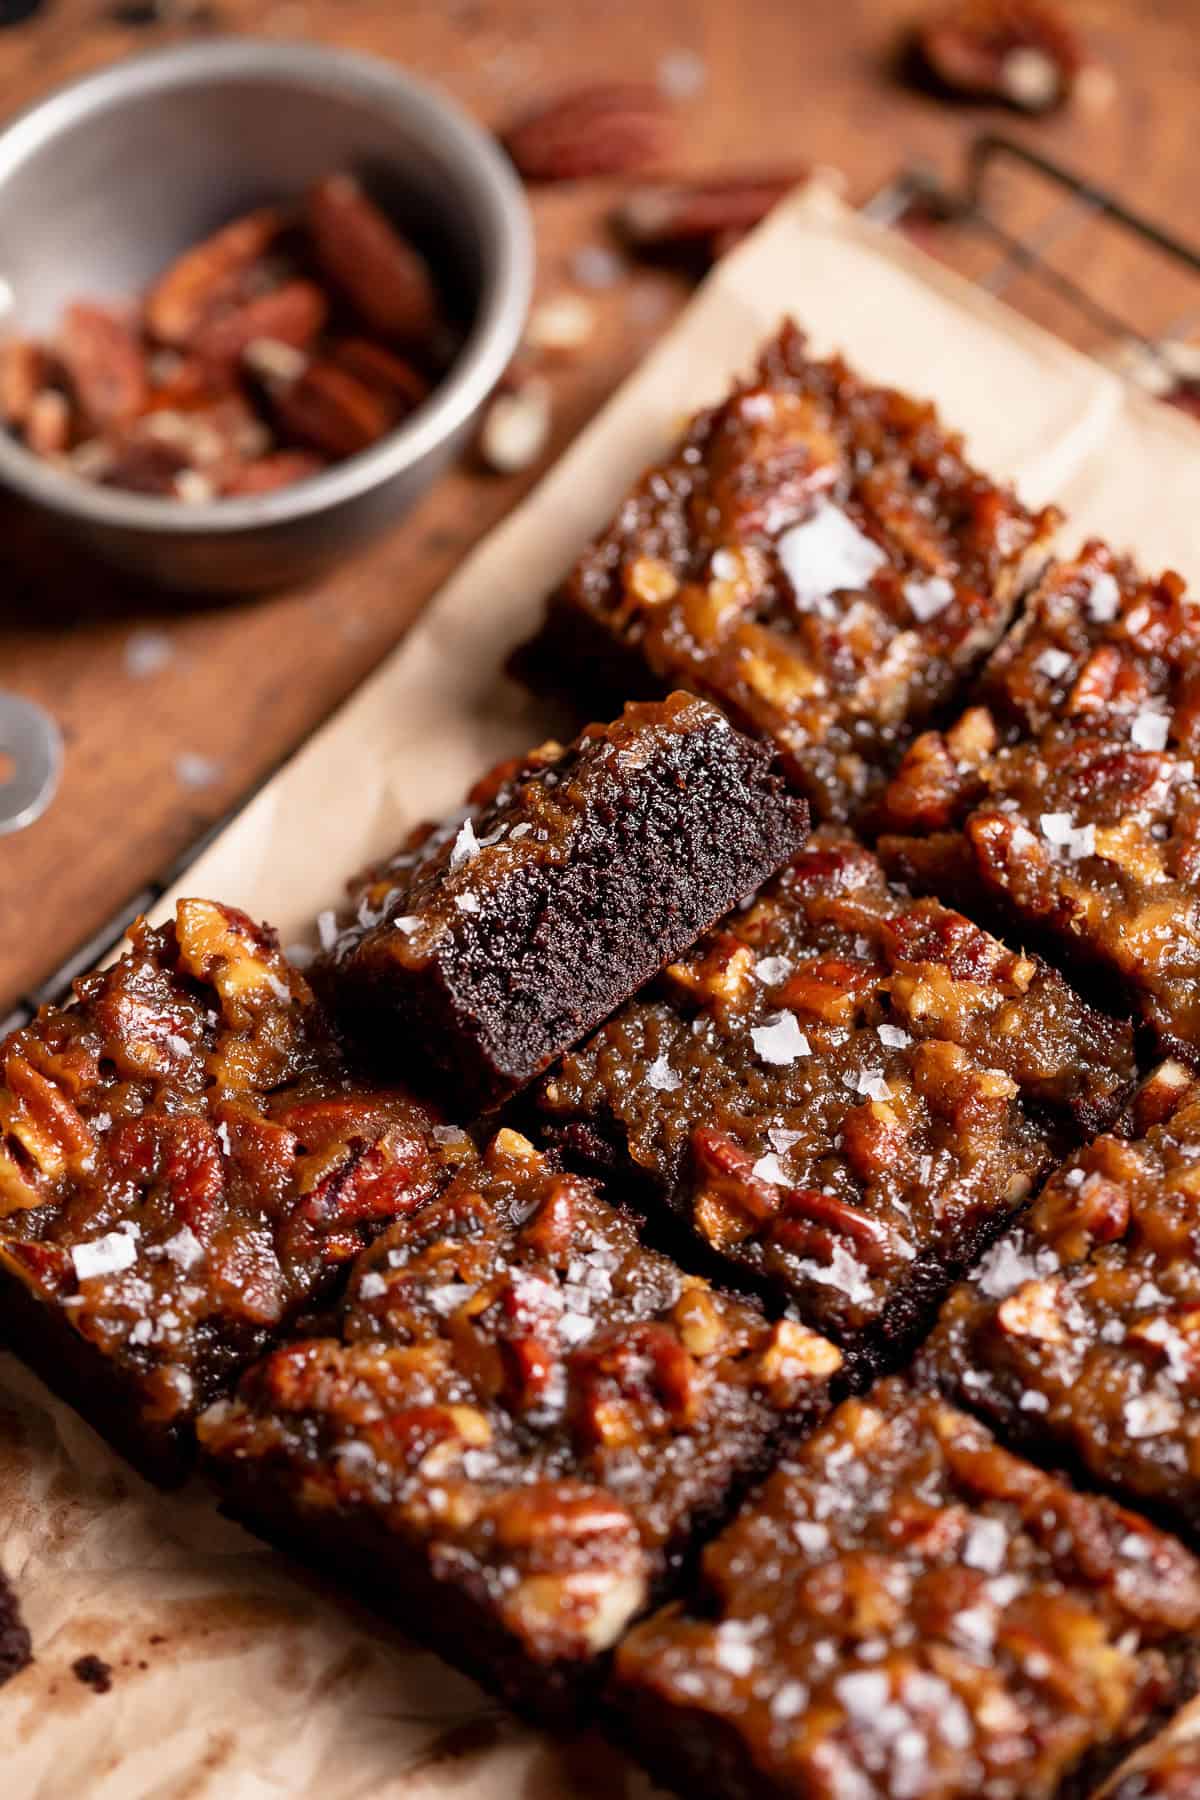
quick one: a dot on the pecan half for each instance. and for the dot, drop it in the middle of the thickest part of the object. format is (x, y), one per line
(266, 474)
(810, 1218)
(363, 254)
(703, 215)
(210, 275)
(388, 375)
(106, 365)
(608, 129)
(328, 409)
(1023, 52)
(294, 314)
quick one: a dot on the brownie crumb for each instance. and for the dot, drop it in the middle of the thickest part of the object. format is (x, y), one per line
(93, 1672)
(16, 1648)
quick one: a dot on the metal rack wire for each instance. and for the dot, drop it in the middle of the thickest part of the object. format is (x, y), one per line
(973, 217)
(1058, 207)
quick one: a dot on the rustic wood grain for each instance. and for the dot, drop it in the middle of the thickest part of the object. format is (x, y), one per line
(153, 758)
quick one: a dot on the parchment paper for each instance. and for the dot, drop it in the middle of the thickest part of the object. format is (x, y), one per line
(233, 1677)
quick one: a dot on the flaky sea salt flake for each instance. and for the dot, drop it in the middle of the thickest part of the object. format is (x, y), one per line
(1104, 598)
(872, 1084)
(928, 597)
(661, 1076)
(780, 1040)
(827, 553)
(466, 845)
(1149, 730)
(107, 1255)
(1053, 663)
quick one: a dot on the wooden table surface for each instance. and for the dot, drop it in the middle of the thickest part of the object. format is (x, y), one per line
(172, 712)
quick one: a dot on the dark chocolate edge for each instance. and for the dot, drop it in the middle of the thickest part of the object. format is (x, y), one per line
(94, 1385)
(689, 1751)
(393, 1578)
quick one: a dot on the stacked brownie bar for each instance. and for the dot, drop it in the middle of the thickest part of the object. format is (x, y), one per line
(841, 1094)
(521, 1424)
(556, 1270)
(818, 557)
(488, 945)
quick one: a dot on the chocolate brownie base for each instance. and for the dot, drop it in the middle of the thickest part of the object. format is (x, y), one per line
(818, 557)
(525, 1421)
(480, 954)
(187, 1162)
(906, 1608)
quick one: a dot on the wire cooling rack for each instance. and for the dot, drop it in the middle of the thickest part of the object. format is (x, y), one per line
(1067, 252)
(1062, 249)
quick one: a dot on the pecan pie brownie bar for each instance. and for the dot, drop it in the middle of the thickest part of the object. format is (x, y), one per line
(1066, 800)
(523, 1421)
(905, 1609)
(488, 946)
(815, 554)
(186, 1161)
(841, 1093)
(1078, 1334)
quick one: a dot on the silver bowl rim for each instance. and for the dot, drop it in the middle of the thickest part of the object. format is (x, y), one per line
(504, 302)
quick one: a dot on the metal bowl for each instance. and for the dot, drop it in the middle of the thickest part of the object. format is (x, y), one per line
(108, 179)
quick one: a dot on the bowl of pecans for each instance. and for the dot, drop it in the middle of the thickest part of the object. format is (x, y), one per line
(253, 298)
